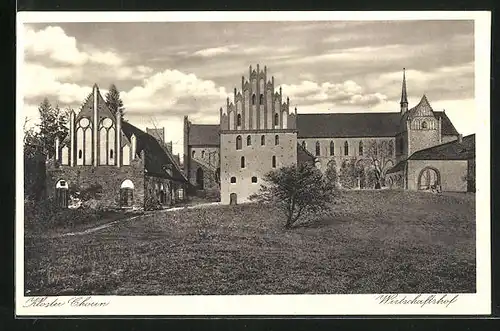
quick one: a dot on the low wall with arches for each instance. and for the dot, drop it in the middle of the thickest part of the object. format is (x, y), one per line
(104, 181)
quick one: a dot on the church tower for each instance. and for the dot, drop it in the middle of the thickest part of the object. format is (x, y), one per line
(257, 134)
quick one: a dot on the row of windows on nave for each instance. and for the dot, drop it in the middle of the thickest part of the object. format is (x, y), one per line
(332, 148)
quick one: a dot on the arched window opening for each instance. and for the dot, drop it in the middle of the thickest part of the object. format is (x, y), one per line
(262, 140)
(80, 154)
(360, 148)
(332, 148)
(127, 193)
(110, 153)
(346, 148)
(261, 99)
(276, 119)
(276, 140)
(424, 125)
(233, 180)
(193, 153)
(238, 120)
(304, 144)
(242, 162)
(254, 179)
(274, 161)
(62, 196)
(249, 140)
(202, 154)
(318, 149)
(238, 143)
(253, 99)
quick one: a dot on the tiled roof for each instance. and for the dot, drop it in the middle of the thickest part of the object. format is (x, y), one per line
(345, 125)
(447, 128)
(204, 134)
(348, 125)
(156, 157)
(453, 150)
(398, 167)
(304, 156)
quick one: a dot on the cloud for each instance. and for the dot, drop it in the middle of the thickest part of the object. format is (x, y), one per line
(348, 93)
(209, 52)
(59, 47)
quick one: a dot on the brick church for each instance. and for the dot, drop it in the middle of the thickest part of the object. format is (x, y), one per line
(113, 162)
(414, 148)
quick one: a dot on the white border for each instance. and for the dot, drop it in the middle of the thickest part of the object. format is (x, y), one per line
(467, 304)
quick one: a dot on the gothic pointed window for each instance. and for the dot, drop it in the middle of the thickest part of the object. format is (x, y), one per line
(424, 125)
(262, 140)
(238, 120)
(243, 162)
(360, 148)
(253, 99)
(318, 149)
(276, 119)
(261, 99)
(346, 148)
(276, 140)
(193, 153)
(238, 143)
(274, 161)
(332, 148)
(249, 140)
(304, 144)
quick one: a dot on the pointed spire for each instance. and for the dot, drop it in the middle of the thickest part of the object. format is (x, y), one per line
(404, 94)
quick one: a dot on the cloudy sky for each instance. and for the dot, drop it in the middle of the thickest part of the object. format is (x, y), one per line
(167, 70)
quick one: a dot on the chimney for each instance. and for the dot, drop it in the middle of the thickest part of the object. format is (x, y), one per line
(460, 137)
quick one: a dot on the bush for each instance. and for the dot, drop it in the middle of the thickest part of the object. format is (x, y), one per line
(152, 203)
(43, 215)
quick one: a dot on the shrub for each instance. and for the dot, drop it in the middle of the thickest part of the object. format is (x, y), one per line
(296, 190)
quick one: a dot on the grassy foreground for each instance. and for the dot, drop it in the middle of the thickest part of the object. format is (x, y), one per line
(372, 242)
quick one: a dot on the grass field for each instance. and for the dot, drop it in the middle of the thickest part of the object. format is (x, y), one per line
(372, 242)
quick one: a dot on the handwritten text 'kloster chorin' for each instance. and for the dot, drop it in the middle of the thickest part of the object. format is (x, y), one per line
(421, 300)
(47, 302)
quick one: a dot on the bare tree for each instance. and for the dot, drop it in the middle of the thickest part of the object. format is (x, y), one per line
(380, 153)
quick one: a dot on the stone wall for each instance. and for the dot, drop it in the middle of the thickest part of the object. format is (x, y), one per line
(453, 173)
(258, 160)
(109, 178)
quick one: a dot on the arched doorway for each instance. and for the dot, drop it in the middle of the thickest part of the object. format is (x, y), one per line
(127, 193)
(429, 179)
(233, 199)
(199, 178)
(62, 196)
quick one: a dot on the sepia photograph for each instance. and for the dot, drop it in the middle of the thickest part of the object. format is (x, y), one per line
(251, 159)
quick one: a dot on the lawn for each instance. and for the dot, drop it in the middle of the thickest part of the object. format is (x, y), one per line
(372, 242)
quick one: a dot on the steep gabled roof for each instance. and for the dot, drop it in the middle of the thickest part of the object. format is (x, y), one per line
(447, 127)
(204, 134)
(453, 150)
(156, 157)
(348, 125)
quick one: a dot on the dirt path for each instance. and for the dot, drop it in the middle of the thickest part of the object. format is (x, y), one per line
(110, 224)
